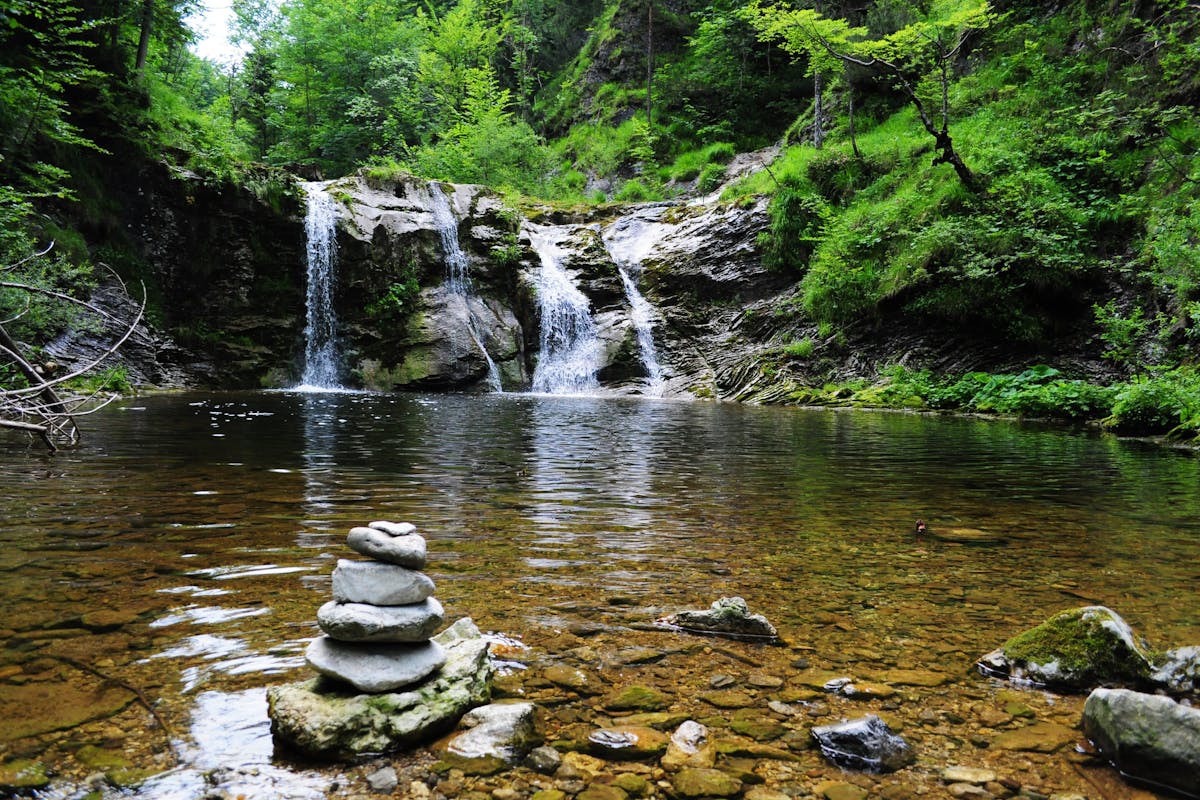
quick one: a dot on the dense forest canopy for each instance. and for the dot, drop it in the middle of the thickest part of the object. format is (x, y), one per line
(1023, 167)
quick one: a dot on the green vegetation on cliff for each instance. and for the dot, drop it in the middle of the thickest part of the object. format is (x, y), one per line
(1019, 172)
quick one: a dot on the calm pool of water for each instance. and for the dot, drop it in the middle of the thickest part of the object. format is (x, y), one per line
(183, 549)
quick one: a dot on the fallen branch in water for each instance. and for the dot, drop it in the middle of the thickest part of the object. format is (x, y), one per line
(124, 685)
(38, 408)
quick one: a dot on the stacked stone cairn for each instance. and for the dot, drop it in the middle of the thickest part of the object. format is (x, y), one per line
(378, 626)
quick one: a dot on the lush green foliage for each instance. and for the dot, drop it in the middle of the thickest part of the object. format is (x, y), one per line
(1164, 402)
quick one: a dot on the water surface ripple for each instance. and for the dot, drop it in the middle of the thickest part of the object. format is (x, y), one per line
(204, 527)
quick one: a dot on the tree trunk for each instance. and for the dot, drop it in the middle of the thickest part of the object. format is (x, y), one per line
(850, 118)
(818, 110)
(650, 63)
(144, 38)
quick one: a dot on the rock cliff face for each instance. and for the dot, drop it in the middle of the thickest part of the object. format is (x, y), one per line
(442, 287)
(681, 276)
(224, 271)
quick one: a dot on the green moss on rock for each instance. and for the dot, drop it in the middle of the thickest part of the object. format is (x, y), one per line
(1075, 650)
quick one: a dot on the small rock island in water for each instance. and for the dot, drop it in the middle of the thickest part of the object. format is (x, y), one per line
(385, 681)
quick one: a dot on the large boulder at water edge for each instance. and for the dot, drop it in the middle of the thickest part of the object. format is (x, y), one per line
(1147, 737)
(1074, 651)
(866, 744)
(327, 719)
(729, 616)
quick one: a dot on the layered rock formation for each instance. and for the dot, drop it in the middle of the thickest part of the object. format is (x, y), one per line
(387, 681)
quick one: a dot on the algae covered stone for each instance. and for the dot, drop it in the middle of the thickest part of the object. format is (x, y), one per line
(327, 720)
(729, 616)
(1074, 651)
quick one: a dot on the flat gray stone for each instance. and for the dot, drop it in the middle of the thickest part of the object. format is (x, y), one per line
(405, 551)
(329, 720)
(374, 668)
(394, 528)
(360, 622)
(379, 584)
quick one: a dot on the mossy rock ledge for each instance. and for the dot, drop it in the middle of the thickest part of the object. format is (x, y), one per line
(1074, 651)
(330, 720)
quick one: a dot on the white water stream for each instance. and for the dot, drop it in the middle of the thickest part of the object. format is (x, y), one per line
(628, 241)
(570, 349)
(458, 280)
(320, 332)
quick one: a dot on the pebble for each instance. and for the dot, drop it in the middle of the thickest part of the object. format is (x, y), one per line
(976, 775)
(383, 780)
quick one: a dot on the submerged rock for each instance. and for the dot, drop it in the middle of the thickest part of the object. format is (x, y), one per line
(1074, 651)
(1147, 737)
(327, 720)
(627, 743)
(729, 616)
(866, 744)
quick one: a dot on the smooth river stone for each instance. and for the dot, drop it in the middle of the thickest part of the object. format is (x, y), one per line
(359, 622)
(375, 668)
(394, 528)
(405, 551)
(379, 584)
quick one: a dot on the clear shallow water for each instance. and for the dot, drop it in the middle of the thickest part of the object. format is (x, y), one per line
(206, 528)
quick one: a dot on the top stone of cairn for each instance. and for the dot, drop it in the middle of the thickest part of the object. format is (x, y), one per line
(391, 542)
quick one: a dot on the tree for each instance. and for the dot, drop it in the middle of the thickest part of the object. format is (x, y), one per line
(918, 58)
(31, 400)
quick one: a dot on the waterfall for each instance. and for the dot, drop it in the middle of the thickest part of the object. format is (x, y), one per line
(320, 332)
(458, 281)
(570, 346)
(628, 241)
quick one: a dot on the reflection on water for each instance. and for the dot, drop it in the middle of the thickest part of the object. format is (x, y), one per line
(207, 528)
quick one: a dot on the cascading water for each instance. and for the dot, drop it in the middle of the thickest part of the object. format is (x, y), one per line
(570, 345)
(320, 332)
(628, 241)
(458, 281)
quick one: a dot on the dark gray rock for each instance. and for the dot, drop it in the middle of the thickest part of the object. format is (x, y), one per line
(866, 744)
(404, 550)
(379, 584)
(328, 720)
(377, 667)
(1147, 737)
(544, 759)
(383, 780)
(360, 622)
(729, 616)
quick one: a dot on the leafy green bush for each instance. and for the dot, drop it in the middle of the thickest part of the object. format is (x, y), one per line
(1119, 332)
(1157, 403)
(797, 225)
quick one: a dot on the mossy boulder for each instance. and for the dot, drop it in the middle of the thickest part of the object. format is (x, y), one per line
(1074, 651)
(330, 721)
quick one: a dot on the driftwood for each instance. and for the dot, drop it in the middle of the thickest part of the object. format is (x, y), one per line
(39, 408)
